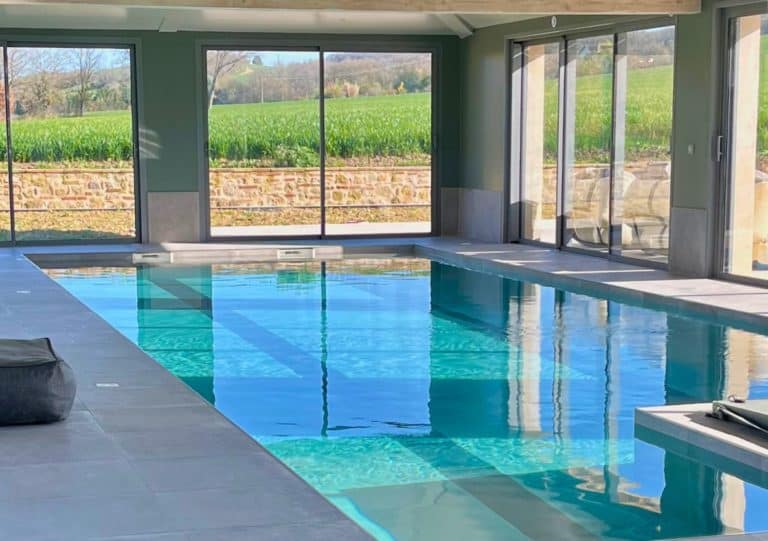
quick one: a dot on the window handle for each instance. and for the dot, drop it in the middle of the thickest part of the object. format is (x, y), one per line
(719, 148)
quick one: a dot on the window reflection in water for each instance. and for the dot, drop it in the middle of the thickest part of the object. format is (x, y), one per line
(428, 397)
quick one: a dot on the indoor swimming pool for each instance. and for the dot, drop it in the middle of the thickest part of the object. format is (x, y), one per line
(430, 402)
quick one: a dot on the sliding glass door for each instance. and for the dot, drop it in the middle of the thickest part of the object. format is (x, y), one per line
(263, 111)
(642, 130)
(378, 134)
(746, 224)
(541, 91)
(594, 145)
(588, 121)
(67, 144)
(310, 143)
(5, 181)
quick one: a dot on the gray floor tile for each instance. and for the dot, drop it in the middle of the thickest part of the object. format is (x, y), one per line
(78, 405)
(142, 419)
(191, 442)
(77, 415)
(257, 470)
(64, 480)
(130, 397)
(62, 442)
(80, 518)
(178, 536)
(323, 531)
(124, 378)
(245, 507)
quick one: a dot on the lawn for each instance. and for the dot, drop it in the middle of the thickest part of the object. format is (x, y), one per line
(648, 116)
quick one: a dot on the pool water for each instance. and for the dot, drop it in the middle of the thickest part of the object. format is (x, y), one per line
(430, 402)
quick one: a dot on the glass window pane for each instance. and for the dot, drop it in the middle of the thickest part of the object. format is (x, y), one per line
(643, 120)
(5, 200)
(747, 234)
(540, 133)
(588, 125)
(264, 143)
(72, 132)
(378, 143)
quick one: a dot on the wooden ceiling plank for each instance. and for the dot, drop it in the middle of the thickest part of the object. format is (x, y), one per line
(542, 7)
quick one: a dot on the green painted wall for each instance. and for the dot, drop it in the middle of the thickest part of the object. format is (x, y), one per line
(168, 92)
(696, 104)
(483, 91)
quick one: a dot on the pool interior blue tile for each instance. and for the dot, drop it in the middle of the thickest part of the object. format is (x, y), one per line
(432, 402)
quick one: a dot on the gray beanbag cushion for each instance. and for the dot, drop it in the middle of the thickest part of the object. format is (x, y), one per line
(36, 386)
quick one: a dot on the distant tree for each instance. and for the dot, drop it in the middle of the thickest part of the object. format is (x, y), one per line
(85, 63)
(334, 90)
(411, 80)
(346, 75)
(351, 90)
(371, 89)
(40, 70)
(18, 63)
(220, 63)
(19, 109)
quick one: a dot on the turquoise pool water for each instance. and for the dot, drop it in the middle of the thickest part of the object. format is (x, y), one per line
(435, 403)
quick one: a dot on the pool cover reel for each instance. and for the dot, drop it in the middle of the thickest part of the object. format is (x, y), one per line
(751, 413)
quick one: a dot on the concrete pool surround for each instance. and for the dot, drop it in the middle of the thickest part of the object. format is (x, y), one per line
(142, 453)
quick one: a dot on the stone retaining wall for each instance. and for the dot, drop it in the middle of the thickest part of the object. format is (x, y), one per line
(63, 189)
(292, 187)
(47, 189)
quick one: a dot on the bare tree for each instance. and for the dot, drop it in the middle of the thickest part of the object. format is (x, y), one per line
(18, 63)
(221, 63)
(35, 69)
(86, 63)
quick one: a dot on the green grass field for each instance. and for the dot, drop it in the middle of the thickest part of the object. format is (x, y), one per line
(389, 127)
(648, 116)
(287, 133)
(281, 134)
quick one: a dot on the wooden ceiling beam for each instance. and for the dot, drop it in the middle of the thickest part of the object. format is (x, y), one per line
(523, 7)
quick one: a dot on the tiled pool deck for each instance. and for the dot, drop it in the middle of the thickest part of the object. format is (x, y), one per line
(146, 460)
(143, 457)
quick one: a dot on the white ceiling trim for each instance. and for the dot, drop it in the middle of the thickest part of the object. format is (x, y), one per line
(120, 17)
(456, 24)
